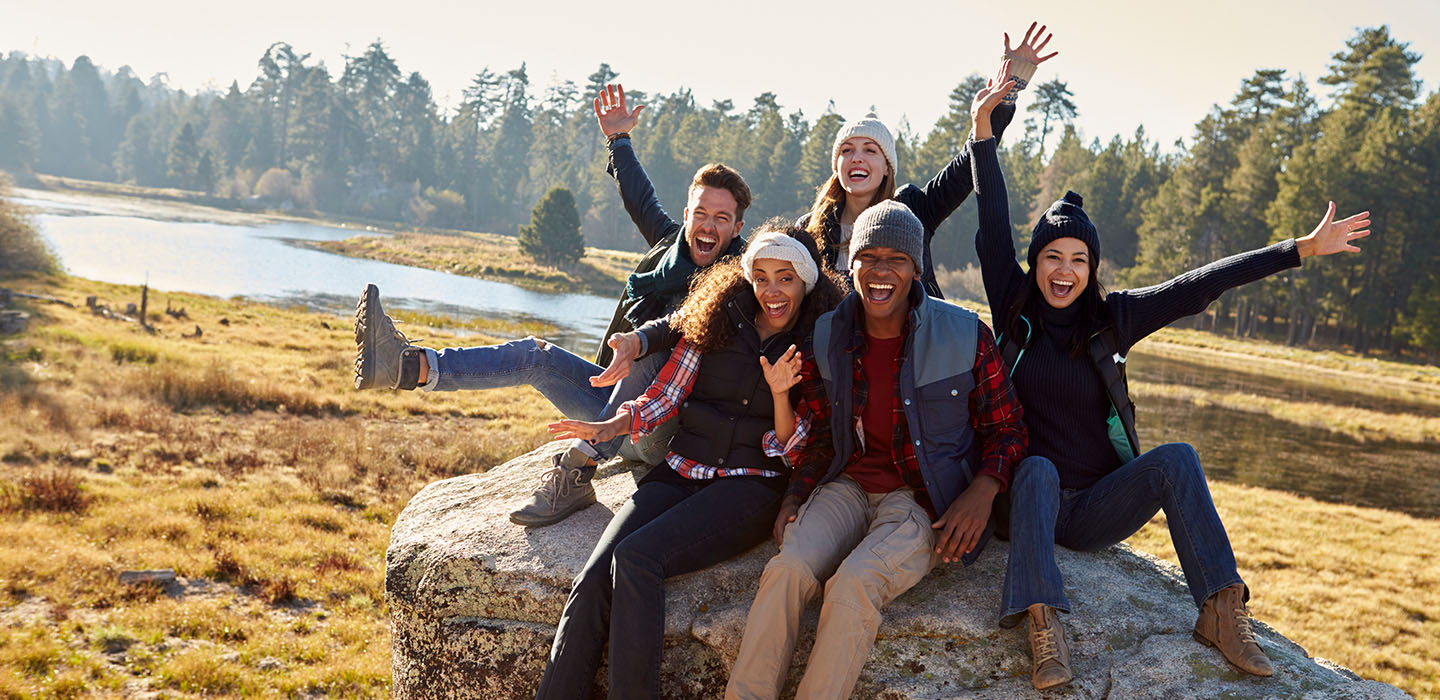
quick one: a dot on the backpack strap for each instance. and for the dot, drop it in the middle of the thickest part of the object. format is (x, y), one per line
(1110, 364)
(1010, 351)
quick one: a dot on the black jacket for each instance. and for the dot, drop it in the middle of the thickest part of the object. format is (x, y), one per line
(938, 199)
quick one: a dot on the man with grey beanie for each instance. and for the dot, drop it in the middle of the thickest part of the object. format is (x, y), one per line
(906, 430)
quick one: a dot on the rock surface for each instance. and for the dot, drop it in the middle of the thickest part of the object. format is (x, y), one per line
(474, 600)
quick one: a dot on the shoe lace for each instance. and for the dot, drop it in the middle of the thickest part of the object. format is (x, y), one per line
(1047, 646)
(1242, 626)
(553, 485)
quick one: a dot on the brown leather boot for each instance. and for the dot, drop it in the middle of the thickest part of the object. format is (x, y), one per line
(1048, 650)
(1224, 623)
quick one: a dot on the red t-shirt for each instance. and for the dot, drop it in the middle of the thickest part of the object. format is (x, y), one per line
(874, 467)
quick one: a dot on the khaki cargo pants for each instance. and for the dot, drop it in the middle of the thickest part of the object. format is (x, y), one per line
(868, 548)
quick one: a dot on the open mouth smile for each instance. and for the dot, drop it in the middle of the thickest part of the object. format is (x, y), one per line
(1061, 289)
(879, 293)
(706, 242)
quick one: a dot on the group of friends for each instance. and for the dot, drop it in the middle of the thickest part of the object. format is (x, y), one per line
(810, 384)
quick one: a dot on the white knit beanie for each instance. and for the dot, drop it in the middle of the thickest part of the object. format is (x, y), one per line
(771, 245)
(871, 128)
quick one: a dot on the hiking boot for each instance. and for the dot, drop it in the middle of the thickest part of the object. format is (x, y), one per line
(382, 351)
(563, 490)
(1049, 651)
(1224, 623)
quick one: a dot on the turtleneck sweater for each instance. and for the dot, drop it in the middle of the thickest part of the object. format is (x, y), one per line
(1065, 401)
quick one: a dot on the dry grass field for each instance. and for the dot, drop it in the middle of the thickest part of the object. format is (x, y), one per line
(244, 460)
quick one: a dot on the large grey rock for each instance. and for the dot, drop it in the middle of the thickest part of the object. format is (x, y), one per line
(474, 600)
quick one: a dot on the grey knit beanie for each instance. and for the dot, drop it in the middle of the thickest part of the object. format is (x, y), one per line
(871, 128)
(1064, 219)
(889, 224)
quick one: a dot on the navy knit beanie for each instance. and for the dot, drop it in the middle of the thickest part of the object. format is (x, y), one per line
(1064, 219)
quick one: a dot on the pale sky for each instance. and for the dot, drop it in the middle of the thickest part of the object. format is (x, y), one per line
(1127, 63)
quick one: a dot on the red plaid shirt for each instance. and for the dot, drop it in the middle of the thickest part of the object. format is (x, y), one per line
(662, 401)
(995, 415)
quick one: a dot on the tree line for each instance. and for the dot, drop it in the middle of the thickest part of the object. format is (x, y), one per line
(372, 142)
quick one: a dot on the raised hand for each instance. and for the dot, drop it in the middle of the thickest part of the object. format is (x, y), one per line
(627, 348)
(611, 113)
(987, 99)
(1031, 46)
(1334, 236)
(785, 373)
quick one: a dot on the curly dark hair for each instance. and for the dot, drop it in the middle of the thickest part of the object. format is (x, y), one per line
(702, 318)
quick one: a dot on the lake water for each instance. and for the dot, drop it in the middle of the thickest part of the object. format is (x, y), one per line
(184, 248)
(208, 251)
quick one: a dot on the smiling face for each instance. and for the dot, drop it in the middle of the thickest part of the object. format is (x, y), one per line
(710, 223)
(1062, 270)
(860, 166)
(882, 278)
(780, 291)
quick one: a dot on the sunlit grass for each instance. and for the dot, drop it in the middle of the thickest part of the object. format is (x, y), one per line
(1358, 423)
(245, 461)
(1358, 586)
(492, 256)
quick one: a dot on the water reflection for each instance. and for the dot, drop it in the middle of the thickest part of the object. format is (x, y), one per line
(1260, 450)
(124, 241)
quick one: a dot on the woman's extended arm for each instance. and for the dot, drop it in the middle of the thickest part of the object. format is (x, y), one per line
(1140, 312)
(993, 243)
(781, 376)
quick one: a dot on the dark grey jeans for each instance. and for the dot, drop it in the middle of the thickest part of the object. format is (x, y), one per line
(670, 526)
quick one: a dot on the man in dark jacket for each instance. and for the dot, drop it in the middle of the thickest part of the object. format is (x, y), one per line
(713, 218)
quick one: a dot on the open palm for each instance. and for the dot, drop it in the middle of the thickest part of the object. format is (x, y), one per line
(610, 111)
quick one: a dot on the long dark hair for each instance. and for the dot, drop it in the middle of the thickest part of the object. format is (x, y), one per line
(1029, 302)
(830, 201)
(702, 318)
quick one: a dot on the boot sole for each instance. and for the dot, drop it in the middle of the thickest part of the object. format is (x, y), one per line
(1203, 640)
(365, 352)
(541, 521)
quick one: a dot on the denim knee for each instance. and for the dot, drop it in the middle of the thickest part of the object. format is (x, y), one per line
(1034, 475)
(1181, 462)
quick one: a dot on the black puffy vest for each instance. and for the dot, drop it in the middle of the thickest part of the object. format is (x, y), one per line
(724, 420)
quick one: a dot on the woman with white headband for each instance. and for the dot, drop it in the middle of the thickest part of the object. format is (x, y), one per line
(733, 362)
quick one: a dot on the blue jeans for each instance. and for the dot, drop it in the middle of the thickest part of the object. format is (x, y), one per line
(1042, 515)
(670, 526)
(561, 376)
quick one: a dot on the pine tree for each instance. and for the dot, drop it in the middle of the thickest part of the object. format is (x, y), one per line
(553, 236)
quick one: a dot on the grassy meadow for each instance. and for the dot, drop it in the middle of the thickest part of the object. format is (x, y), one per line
(244, 460)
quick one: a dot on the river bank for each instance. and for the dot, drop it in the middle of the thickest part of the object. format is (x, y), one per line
(244, 460)
(481, 255)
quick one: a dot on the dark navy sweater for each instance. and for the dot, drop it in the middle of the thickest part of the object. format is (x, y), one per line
(1064, 399)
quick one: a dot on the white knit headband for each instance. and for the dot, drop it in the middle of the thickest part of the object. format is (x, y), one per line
(778, 246)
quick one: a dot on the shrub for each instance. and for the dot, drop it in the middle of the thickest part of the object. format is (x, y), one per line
(277, 185)
(21, 247)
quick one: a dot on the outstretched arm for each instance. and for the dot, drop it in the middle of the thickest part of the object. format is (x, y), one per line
(1140, 312)
(636, 191)
(993, 242)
